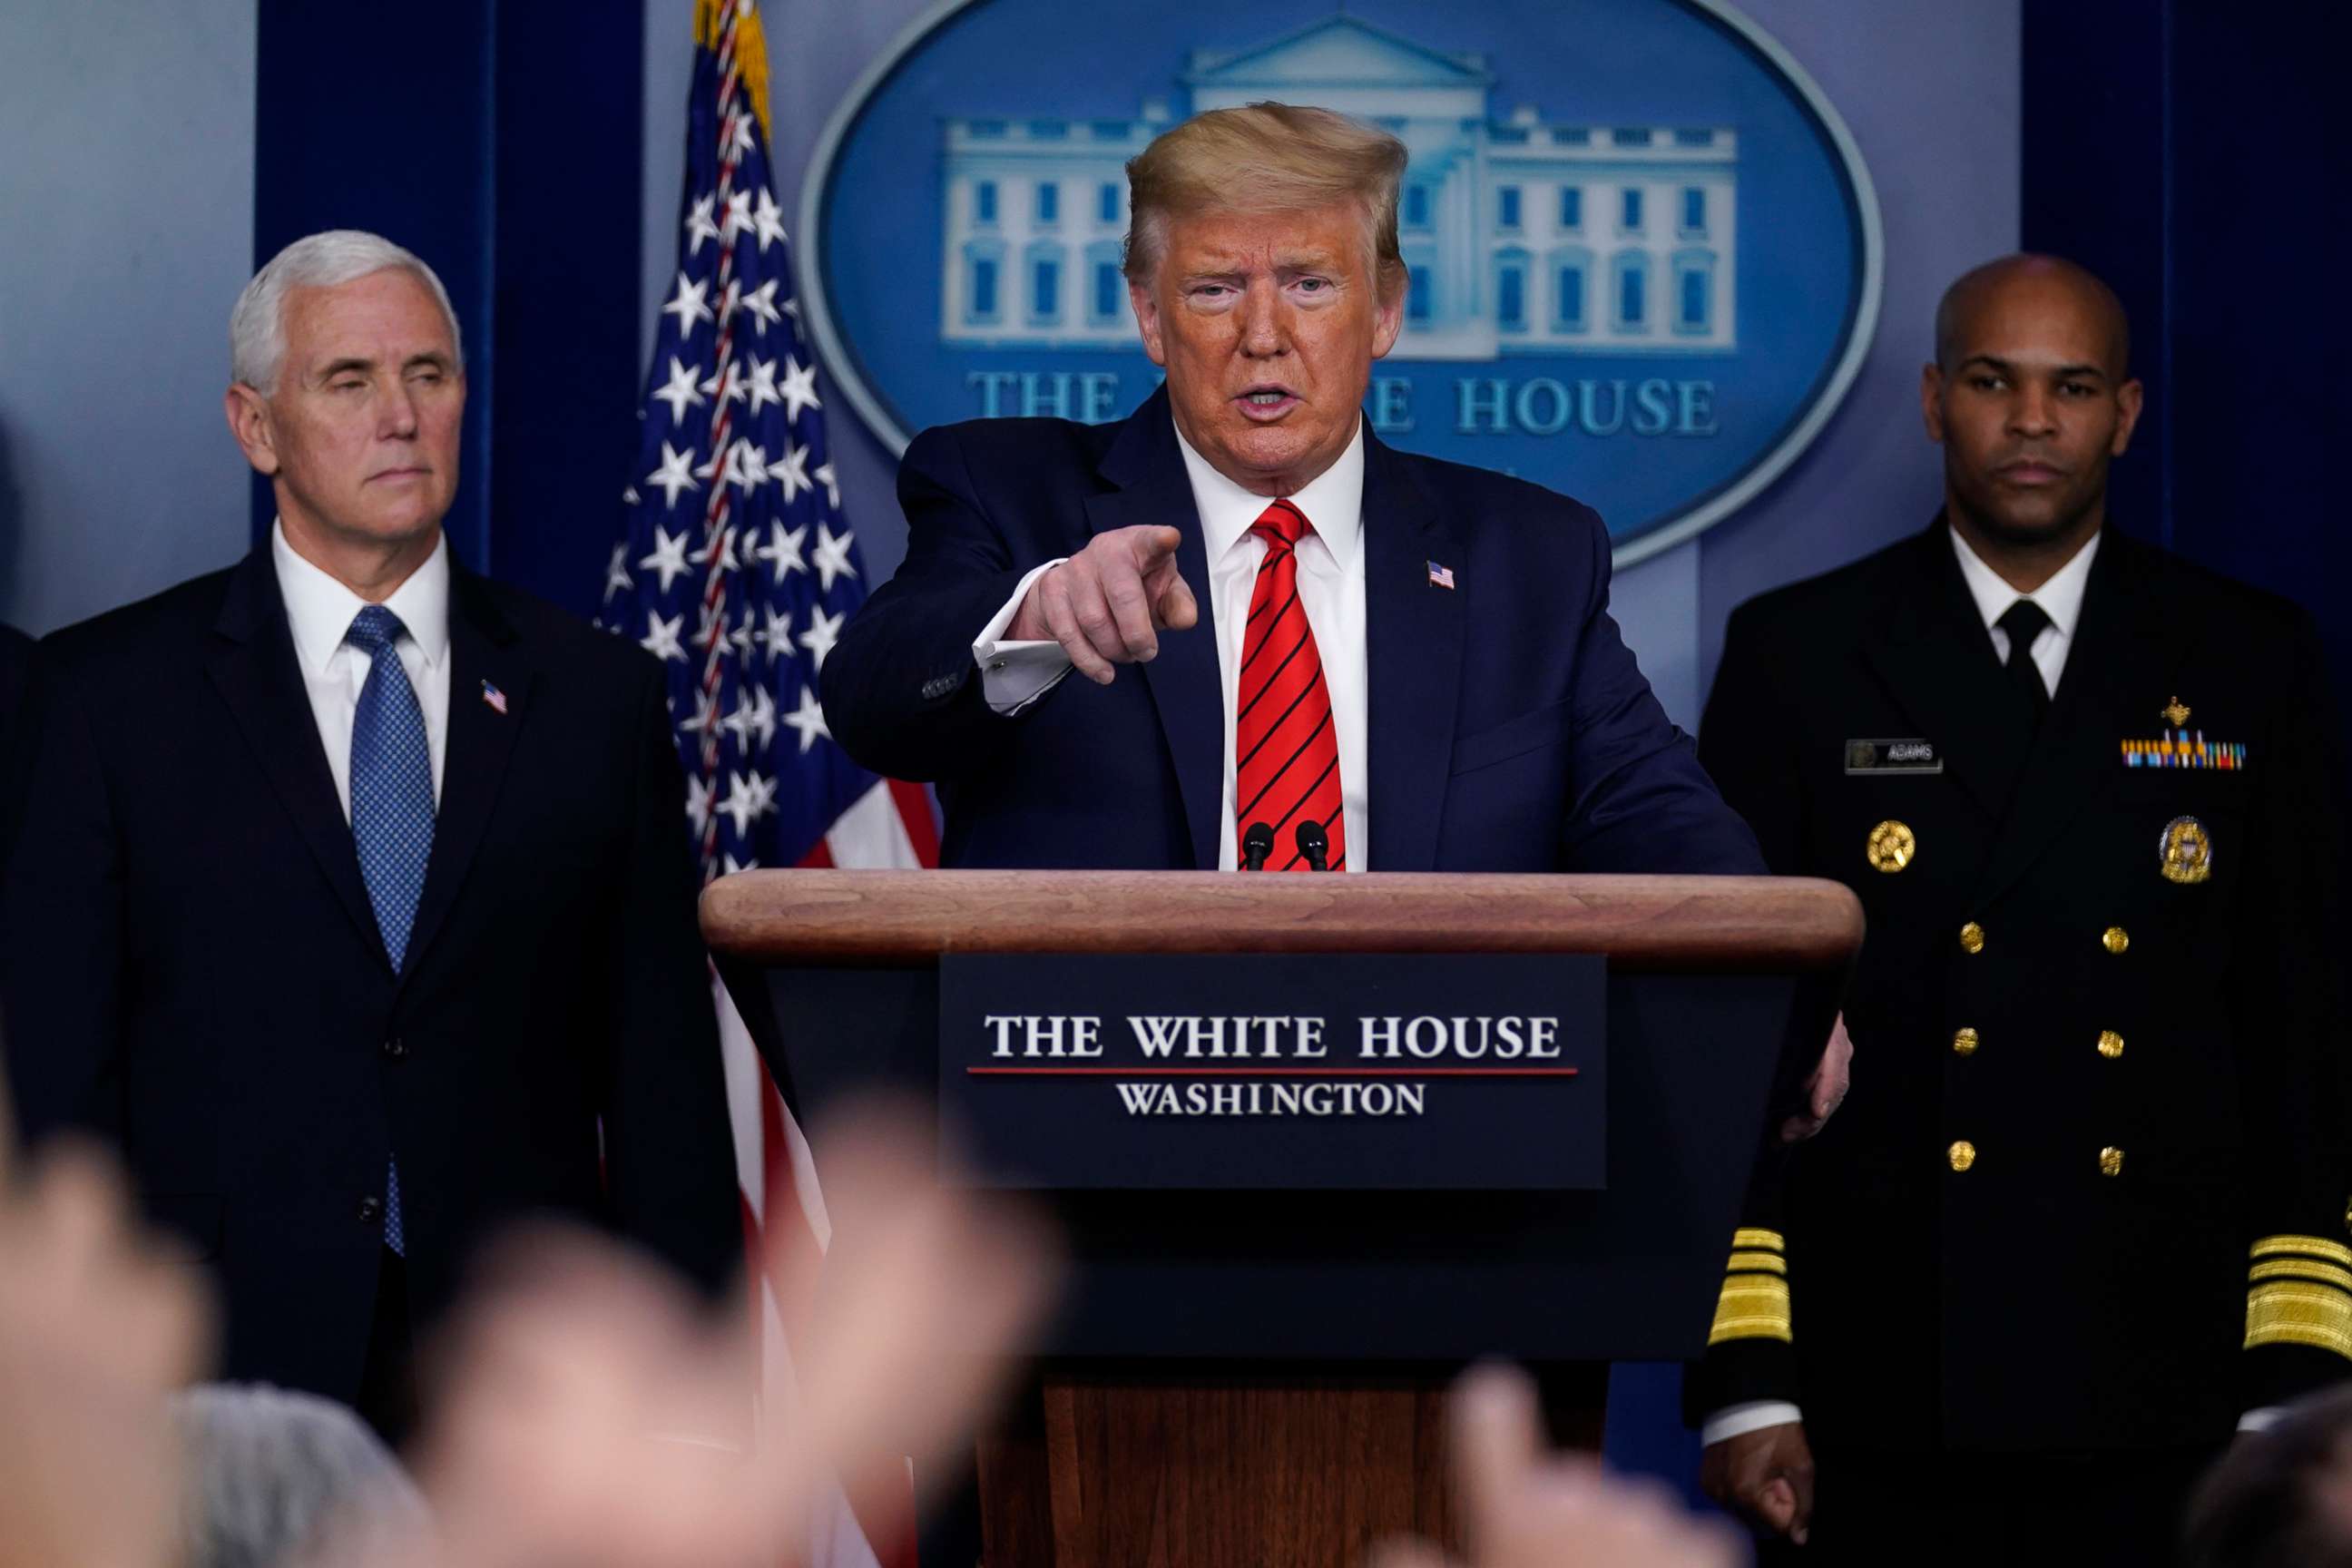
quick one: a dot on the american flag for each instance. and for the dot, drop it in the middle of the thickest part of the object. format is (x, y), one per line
(737, 569)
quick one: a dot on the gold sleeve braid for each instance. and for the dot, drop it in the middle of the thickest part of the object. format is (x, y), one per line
(2299, 1292)
(1755, 1301)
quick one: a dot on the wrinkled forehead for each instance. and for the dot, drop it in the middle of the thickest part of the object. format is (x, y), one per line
(388, 314)
(1230, 239)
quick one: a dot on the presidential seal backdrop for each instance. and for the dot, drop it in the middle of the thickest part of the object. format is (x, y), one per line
(1644, 252)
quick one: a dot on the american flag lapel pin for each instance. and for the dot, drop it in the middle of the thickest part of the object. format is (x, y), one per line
(494, 699)
(1441, 576)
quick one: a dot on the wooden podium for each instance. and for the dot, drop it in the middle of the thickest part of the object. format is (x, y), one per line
(1256, 1379)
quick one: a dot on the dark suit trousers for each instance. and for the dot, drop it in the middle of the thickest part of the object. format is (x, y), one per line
(387, 1397)
(2112, 1509)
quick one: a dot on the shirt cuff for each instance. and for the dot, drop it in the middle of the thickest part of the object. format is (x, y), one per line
(1012, 675)
(1738, 1420)
(2262, 1420)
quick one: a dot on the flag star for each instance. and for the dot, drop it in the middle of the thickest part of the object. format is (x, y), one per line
(698, 802)
(661, 636)
(743, 636)
(769, 219)
(791, 470)
(833, 555)
(678, 390)
(628, 495)
(782, 550)
(749, 797)
(723, 547)
(832, 486)
(762, 390)
(762, 303)
(721, 467)
(616, 572)
(799, 390)
(724, 384)
(687, 305)
(673, 477)
(751, 466)
(711, 627)
(739, 139)
(809, 720)
(706, 714)
(738, 218)
(776, 634)
(823, 632)
(792, 309)
(699, 227)
(733, 865)
(753, 721)
(669, 557)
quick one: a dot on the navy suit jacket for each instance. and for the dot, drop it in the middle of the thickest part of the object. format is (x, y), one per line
(193, 971)
(1509, 729)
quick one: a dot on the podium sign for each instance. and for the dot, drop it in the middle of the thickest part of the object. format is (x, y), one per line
(1296, 1071)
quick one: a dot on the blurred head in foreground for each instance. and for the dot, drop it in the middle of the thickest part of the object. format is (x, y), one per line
(279, 1479)
(2280, 1498)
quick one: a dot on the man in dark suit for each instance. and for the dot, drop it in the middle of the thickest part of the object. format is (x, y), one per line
(1411, 659)
(2087, 1207)
(15, 728)
(353, 904)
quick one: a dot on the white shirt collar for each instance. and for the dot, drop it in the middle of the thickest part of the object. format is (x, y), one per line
(1333, 501)
(2061, 598)
(320, 610)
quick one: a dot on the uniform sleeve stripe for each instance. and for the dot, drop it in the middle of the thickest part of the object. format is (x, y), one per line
(1773, 1263)
(2282, 1313)
(2310, 1246)
(1756, 1307)
(1747, 1237)
(2303, 1268)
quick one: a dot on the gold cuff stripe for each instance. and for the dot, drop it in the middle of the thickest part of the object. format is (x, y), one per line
(1745, 1237)
(2283, 1314)
(1756, 1308)
(2316, 1247)
(2303, 1268)
(1773, 1263)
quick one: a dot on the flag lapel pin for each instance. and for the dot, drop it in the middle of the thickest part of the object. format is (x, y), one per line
(1441, 576)
(493, 698)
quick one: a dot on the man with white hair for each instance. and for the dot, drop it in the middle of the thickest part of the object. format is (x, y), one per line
(351, 902)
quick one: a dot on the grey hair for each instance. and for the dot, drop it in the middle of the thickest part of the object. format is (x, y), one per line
(256, 327)
(280, 1479)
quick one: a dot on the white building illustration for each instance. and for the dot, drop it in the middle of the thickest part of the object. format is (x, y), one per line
(1521, 237)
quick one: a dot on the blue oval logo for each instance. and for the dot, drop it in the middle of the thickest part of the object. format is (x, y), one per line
(1644, 251)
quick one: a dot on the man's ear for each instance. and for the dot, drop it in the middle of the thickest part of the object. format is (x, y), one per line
(2128, 398)
(249, 422)
(1147, 319)
(1387, 318)
(1931, 400)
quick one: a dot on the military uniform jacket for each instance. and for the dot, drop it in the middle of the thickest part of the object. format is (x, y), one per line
(2089, 1187)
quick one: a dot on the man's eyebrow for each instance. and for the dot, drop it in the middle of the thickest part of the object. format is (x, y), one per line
(336, 367)
(2084, 371)
(432, 358)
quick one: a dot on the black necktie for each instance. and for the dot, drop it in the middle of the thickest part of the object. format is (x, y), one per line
(2023, 621)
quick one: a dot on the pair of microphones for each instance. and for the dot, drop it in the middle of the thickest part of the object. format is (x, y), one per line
(1314, 845)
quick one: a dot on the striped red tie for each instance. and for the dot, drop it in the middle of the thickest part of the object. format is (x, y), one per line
(1287, 759)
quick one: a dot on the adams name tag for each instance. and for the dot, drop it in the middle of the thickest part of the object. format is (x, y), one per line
(1893, 757)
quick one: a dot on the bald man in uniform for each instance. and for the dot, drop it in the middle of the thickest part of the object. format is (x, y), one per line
(2085, 1211)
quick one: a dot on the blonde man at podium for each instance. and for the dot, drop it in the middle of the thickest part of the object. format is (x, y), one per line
(1237, 630)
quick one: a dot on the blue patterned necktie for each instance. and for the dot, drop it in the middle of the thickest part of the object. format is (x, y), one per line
(392, 810)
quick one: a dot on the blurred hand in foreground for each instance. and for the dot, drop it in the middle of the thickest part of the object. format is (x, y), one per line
(1825, 1087)
(1525, 1507)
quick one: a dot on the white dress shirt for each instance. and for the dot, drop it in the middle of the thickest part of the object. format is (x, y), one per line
(1330, 591)
(2061, 599)
(320, 610)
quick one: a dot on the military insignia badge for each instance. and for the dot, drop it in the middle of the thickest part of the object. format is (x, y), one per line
(2176, 713)
(2185, 853)
(2183, 748)
(1892, 844)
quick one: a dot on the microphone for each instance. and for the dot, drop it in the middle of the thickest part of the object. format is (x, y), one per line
(1314, 843)
(1257, 845)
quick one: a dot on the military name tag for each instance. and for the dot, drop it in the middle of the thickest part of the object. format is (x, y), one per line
(1892, 757)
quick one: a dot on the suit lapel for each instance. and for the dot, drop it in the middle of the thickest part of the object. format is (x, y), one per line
(1412, 646)
(2119, 654)
(481, 741)
(1929, 647)
(1185, 686)
(252, 664)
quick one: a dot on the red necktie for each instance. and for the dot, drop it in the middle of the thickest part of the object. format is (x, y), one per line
(1286, 756)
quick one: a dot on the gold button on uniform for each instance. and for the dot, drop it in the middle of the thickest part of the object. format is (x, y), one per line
(1964, 1043)
(2111, 1044)
(2116, 939)
(2111, 1161)
(1972, 938)
(1892, 844)
(1962, 1154)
